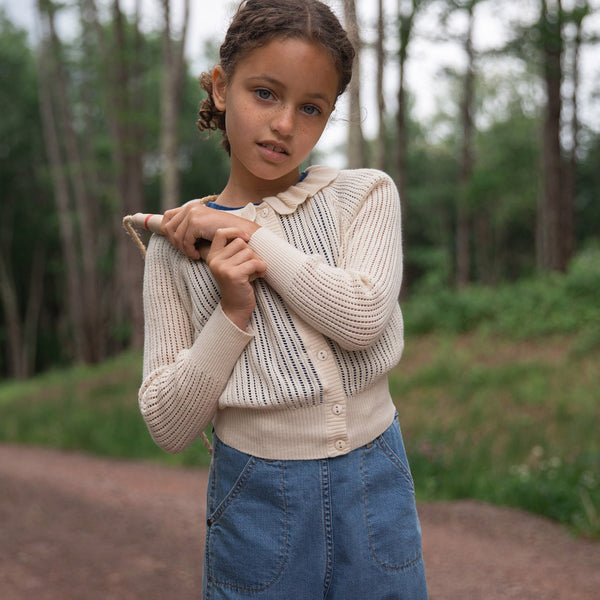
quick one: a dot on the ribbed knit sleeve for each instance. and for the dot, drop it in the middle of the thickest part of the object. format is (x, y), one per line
(352, 301)
(186, 367)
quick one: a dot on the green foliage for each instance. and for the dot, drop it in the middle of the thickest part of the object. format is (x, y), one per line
(92, 409)
(587, 206)
(512, 423)
(543, 305)
(508, 411)
(29, 230)
(501, 196)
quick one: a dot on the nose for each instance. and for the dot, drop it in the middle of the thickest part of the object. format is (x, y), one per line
(283, 121)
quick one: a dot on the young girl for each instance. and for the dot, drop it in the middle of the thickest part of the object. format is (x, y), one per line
(281, 329)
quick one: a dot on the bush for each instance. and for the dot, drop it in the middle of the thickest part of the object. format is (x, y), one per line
(548, 304)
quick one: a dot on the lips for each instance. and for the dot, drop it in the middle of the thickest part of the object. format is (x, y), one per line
(274, 147)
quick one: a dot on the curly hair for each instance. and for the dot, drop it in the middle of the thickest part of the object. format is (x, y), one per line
(258, 22)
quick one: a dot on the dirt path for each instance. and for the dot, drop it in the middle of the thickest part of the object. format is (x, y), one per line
(75, 527)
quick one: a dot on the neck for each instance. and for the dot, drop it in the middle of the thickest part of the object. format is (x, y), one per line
(239, 193)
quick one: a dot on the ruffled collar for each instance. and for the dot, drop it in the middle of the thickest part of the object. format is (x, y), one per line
(316, 179)
(286, 202)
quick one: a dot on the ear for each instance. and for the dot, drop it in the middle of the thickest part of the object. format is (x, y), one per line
(219, 81)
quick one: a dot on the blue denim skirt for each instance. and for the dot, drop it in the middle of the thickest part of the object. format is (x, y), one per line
(343, 528)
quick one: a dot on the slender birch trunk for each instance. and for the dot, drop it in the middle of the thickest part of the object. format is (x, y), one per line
(356, 150)
(380, 155)
(463, 216)
(171, 94)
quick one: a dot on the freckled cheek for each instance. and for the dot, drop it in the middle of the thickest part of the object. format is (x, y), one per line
(313, 134)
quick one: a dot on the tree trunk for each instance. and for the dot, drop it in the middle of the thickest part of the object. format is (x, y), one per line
(171, 93)
(122, 74)
(94, 336)
(550, 208)
(463, 217)
(131, 181)
(406, 16)
(61, 196)
(12, 318)
(380, 154)
(579, 13)
(356, 143)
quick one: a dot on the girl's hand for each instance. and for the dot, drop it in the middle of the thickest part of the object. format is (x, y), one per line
(184, 226)
(234, 265)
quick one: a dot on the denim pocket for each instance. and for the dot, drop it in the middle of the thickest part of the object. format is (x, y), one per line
(390, 509)
(247, 521)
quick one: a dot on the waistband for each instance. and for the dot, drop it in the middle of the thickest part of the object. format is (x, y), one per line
(332, 428)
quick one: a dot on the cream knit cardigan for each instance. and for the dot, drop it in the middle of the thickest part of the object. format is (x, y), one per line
(308, 377)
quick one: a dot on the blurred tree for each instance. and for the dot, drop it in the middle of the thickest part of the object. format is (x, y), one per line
(173, 69)
(587, 206)
(356, 147)
(71, 193)
(24, 248)
(502, 193)
(546, 44)
(380, 146)
(550, 228)
(100, 94)
(122, 72)
(432, 188)
(463, 233)
(574, 18)
(407, 13)
(462, 271)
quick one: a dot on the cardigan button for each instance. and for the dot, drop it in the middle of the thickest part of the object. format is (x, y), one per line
(337, 409)
(340, 444)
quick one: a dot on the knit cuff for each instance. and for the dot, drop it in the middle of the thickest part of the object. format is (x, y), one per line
(283, 260)
(219, 345)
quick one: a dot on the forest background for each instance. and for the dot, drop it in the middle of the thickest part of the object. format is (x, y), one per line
(501, 182)
(495, 150)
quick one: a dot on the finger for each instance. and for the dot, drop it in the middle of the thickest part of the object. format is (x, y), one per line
(253, 268)
(203, 248)
(260, 268)
(170, 221)
(226, 235)
(230, 254)
(187, 239)
(224, 260)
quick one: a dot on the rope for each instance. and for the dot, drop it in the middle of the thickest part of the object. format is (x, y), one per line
(127, 223)
(134, 234)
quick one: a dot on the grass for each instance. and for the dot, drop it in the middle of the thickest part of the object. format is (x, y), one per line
(92, 409)
(510, 422)
(513, 423)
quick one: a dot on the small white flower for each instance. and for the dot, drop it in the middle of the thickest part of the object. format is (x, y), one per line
(537, 452)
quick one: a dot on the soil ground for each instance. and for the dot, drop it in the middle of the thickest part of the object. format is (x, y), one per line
(76, 527)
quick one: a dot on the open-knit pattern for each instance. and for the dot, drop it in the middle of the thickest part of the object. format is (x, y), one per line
(308, 377)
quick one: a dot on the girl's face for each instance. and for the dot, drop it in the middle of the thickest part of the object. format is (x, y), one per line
(277, 104)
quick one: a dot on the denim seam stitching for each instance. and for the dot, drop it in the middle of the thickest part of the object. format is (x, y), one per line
(327, 525)
(285, 542)
(396, 460)
(235, 491)
(401, 567)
